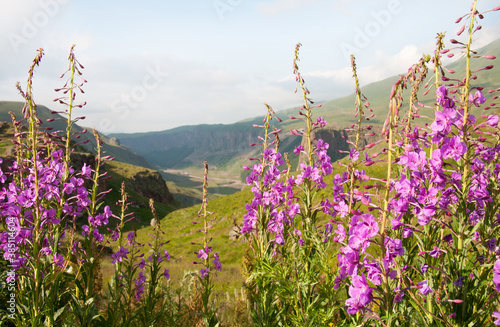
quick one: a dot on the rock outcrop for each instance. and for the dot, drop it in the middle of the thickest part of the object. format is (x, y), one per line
(150, 184)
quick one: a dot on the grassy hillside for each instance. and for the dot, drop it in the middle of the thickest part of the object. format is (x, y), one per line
(228, 212)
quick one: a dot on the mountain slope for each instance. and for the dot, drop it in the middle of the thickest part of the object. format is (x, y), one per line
(227, 146)
(119, 152)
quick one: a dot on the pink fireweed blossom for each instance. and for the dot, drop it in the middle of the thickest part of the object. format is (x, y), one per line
(354, 155)
(477, 99)
(453, 148)
(360, 295)
(216, 262)
(340, 231)
(204, 272)
(424, 288)
(139, 283)
(120, 255)
(59, 259)
(298, 149)
(496, 275)
(496, 315)
(321, 122)
(492, 120)
(86, 171)
(442, 94)
(203, 253)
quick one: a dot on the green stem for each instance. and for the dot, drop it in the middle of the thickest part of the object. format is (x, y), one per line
(465, 95)
(359, 112)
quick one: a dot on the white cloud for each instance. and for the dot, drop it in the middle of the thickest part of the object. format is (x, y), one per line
(12, 13)
(382, 67)
(278, 6)
(144, 93)
(63, 41)
(487, 35)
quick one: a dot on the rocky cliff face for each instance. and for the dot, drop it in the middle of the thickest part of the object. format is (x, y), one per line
(151, 185)
(147, 183)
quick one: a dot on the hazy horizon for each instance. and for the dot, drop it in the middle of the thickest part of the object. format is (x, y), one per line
(162, 64)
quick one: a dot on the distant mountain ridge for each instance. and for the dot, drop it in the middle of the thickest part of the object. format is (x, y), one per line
(227, 146)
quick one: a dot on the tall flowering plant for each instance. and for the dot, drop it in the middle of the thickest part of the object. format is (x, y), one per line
(53, 232)
(41, 197)
(208, 259)
(290, 279)
(430, 253)
(417, 247)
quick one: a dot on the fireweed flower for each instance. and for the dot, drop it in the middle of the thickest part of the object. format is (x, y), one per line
(360, 295)
(441, 94)
(142, 263)
(166, 274)
(453, 148)
(413, 160)
(115, 235)
(166, 255)
(477, 99)
(444, 120)
(86, 170)
(203, 253)
(364, 227)
(321, 122)
(120, 255)
(436, 252)
(85, 230)
(59, 260)
(130, 238)
(394, 248)
(341, 235)
(492, 120)
(97, 236)
(474, 218)
(217, 264)
(496, 315)
(298, 149)
(139, 283)
(424, 288)
(204, 272)
(449, 239)
(374, 273)
(354, 155)
(492, 244)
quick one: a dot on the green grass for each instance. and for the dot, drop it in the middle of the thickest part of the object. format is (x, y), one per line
(181, 232)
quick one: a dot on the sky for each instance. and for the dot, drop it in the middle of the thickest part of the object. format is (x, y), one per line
(154, 65)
